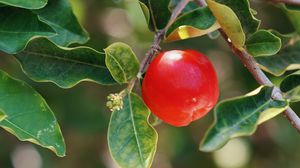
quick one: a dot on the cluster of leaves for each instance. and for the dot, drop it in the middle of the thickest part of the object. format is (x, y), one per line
(240, 116)
(38, 34)
(276, 53)
(27, 24)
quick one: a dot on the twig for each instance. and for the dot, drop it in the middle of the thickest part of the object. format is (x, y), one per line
(155, 48)
(262, 79)
(160, 35)
(201, 2)
(250, 63)
(291, 2)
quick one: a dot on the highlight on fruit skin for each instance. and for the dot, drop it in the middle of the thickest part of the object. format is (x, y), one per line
(180, 86)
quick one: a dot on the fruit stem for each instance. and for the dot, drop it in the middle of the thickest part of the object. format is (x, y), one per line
(155, 48)
(252, 66)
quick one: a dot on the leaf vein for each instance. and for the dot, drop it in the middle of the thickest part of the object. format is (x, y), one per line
(64, 59)
(135, 131)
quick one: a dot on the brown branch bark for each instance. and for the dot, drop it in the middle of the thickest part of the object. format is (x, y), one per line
(252, 66)
(250, 63)
(155, 48)
(290, 2)
(160, 34)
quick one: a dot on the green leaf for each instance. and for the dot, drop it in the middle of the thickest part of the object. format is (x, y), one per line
(159, 13)
(291, 87)
(18, 26)
(243, 11)
(229, 22)
(240, 116)
(263, 43)
(145, 11)
(121, 62)
(294, 16)
(292, 7)
(29, 117)
(131, 139)
(28, 4)
(287, 59)
(195, 23)
(59, 15)
(189, 7)
(286, 39)
(44, 61)
(2, 115)
(79, 10)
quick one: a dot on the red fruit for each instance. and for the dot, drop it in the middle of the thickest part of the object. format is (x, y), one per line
(180, 86)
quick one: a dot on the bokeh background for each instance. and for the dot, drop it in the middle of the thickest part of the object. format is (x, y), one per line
(84, 118)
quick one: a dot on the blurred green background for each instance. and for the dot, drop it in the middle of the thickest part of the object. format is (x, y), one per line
(84, 118)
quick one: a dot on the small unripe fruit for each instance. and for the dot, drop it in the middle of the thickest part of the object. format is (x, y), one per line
(180, 86)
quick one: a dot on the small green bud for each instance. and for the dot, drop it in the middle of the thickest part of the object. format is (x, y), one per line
(115, 101)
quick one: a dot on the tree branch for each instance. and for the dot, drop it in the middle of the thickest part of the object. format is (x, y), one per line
(155, 48)
(252, 66)
(160, 34)
(290, 2)
(262, 79)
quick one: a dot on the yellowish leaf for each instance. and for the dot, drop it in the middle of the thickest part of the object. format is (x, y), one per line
(229, 22)
(185, 32)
